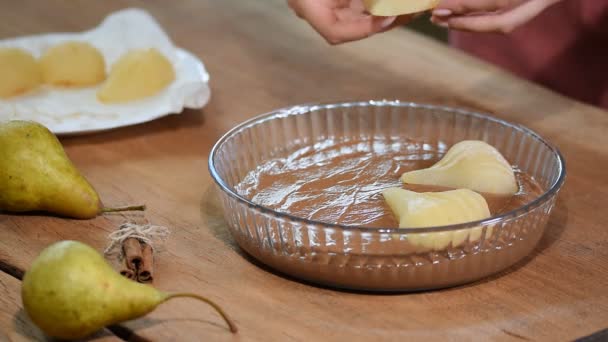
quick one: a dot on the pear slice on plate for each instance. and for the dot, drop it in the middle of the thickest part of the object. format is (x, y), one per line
(389, 8)
(430, 209)
(73, 64)
(469, 164)
(136, 75)
(19, 72)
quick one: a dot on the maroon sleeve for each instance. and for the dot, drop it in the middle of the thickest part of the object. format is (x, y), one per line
(565, 48)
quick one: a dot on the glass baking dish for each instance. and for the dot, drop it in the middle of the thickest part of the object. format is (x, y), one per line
(381, 259)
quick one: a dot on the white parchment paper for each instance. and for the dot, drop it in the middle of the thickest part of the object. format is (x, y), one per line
(77, 111)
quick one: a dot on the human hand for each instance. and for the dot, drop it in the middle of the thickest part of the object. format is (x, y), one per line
(487, 15)
(340, 21)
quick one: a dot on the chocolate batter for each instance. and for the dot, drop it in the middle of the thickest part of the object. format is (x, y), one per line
(342, 183)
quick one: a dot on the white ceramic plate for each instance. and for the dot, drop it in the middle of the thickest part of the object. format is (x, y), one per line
(77, 111)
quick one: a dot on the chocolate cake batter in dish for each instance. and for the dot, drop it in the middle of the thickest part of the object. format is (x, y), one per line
(342, 183)
(325, 193)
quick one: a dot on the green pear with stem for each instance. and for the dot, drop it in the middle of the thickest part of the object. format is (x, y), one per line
(37, 175)
(70, 292)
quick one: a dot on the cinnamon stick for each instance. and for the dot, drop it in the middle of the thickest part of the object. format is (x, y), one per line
(132, 252)
(144, 273)
(125, 271)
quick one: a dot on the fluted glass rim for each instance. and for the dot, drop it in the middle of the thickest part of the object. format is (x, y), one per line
(309, 107)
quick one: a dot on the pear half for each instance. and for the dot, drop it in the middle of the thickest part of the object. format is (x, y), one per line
(136, 75)
(469, 164)
(73, 64)
(389, 8)
(19, 72)
(431, 209)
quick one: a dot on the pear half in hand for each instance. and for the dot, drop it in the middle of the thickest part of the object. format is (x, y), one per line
(70, 292)
(387, 8)
(37, 175)
(430, 209)
(469, 164)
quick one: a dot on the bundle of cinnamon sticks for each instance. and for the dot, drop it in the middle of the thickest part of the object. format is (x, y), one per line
(138, 260)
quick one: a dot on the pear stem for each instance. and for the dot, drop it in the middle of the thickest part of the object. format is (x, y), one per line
(129, 208)
(217, 308)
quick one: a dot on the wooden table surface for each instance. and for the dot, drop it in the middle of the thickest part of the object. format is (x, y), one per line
(261, 57)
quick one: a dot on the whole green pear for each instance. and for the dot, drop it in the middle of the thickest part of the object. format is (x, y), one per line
(37, 175)
(70, 292)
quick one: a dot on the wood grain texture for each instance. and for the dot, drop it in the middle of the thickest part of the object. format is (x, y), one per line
(261, 57)
(14, 323)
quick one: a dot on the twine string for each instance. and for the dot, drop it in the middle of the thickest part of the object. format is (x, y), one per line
(147, 233)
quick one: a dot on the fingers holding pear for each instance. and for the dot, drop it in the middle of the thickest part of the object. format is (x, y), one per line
(469, 164)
